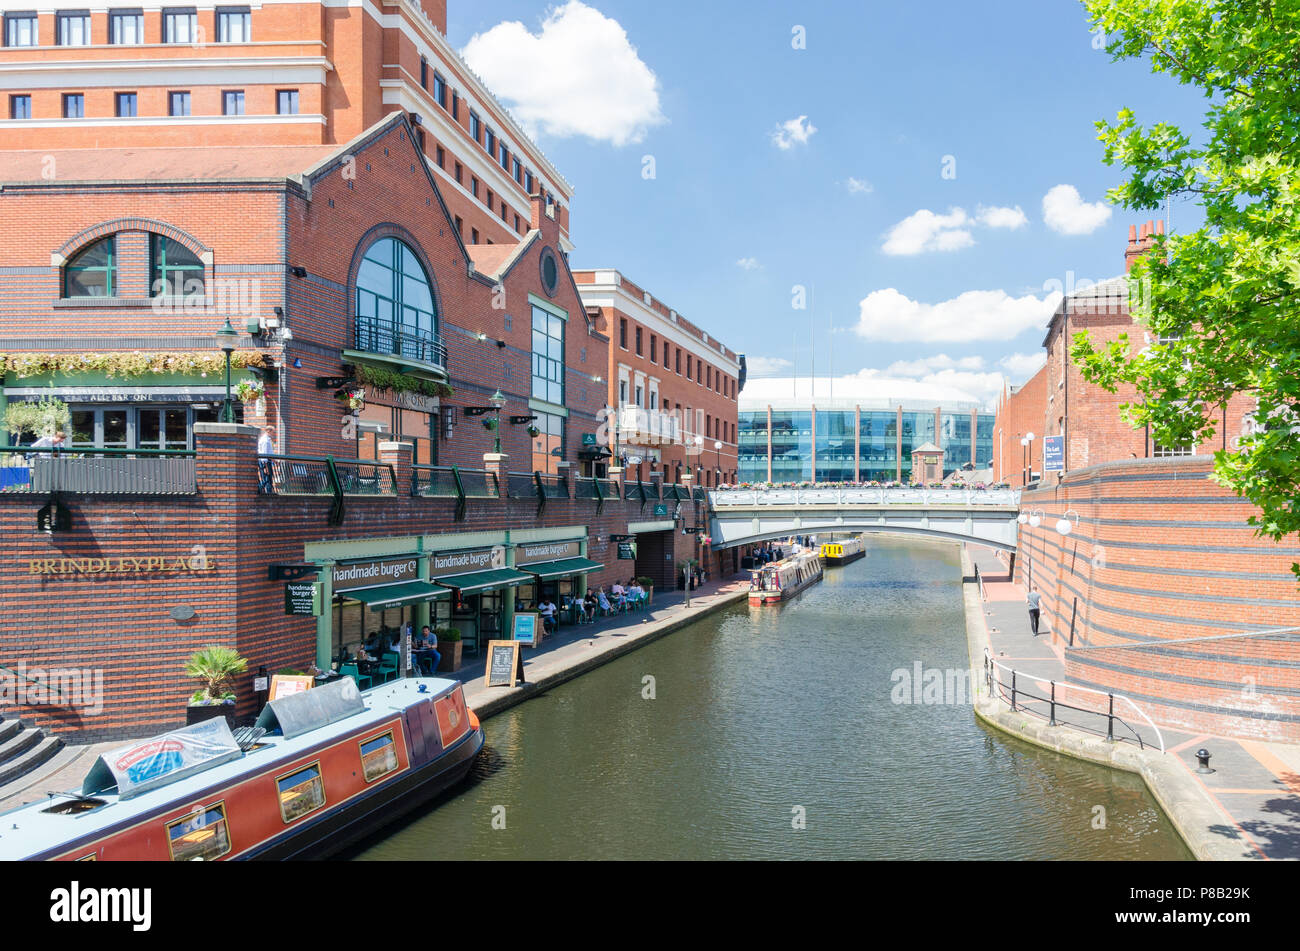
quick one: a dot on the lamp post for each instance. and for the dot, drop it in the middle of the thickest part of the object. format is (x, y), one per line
(717, 448)
(227, 337)
(497, 400)
(1025, 470)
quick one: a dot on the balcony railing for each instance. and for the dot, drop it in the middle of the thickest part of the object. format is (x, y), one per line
(853, 495)
(375, 335)
(91, 471)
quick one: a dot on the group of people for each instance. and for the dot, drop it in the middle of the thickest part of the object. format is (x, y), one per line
(424, 649)
(620, 598)
(767, 553)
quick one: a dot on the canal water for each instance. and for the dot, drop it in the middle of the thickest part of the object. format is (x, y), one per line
(777, 733)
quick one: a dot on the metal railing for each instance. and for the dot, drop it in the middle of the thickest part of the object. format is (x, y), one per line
(375, 335)
(1011, 686)
(586, 488)
(479, 483)
(366, 477)
(552, 486)
(521, 485)
(326, 476)
(92, 471)
(294, 475)
(858, 495)
(435, 482)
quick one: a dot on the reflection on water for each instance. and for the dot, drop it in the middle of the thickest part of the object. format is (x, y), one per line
(772, 734)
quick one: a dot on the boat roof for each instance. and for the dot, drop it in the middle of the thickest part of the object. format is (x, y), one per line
(29, 830)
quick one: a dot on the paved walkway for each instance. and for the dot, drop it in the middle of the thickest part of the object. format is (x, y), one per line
(563, 656)
(1255, 788)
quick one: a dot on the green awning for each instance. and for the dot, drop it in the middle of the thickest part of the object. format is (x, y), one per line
(476, 581)
(566, 566)
(396, 595)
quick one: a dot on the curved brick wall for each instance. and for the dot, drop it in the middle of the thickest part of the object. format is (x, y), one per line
(1163, 554)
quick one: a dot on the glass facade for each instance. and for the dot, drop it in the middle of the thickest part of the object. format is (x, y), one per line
(876, 443)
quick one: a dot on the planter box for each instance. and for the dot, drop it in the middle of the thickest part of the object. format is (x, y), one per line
(451, 652)
(197, 713)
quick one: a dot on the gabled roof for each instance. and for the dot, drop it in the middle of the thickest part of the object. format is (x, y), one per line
(495, 260)
(264, 163)
(928, 447)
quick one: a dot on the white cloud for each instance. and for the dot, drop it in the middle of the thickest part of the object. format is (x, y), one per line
(1066, 212)
(986, 387)
(792, 132)
(926, 231)
(1002, 217)
(974, 315)
(1021, 366)
(926, 365)
(859, 186)
(748, 264)
(757, 367)
(578, 76)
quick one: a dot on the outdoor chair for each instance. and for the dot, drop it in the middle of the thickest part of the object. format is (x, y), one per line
(351, 670)
(388, 666)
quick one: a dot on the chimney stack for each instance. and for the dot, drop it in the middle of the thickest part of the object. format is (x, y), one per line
(1140, 240)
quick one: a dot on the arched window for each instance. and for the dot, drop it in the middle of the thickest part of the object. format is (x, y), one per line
(174, 270)
(395, 308)
(92, 272)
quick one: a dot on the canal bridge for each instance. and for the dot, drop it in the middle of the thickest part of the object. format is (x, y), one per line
(983, 516)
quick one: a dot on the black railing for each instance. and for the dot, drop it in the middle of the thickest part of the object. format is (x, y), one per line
(375, 335)
(585, 488)
(1016, 689)
(92, 471)
(294, 475)
(479, 483)
(327, 476)
(435, 482)
(521, 485)
(552, 486)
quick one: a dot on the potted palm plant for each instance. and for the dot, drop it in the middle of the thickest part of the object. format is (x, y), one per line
(214, 666)
(449, 646)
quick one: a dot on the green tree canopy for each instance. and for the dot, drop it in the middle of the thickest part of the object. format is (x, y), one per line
(1220, 305)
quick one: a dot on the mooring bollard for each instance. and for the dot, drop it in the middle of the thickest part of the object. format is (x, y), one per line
(1203, 761)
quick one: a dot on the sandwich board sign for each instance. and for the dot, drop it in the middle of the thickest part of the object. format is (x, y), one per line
(527, 629)
(505, 664)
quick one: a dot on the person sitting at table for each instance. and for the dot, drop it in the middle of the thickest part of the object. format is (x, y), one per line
(601, 599)
(618, 596)
(547, 610)
(430, 659)
(589, 606)
(365, 660)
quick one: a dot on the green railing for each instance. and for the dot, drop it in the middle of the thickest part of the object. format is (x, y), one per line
(326, 476)
(92, 471)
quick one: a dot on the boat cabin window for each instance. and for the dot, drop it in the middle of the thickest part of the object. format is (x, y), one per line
(301, 792)
(74, 807)
(202, 835)
(378, 756)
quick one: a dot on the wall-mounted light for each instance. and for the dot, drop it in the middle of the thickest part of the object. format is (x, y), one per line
(1036, 517)
(501, 344)
(298, 271)
(480, 336)
(297, 363)
(1063, 524)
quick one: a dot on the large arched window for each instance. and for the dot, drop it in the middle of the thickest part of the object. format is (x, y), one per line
(395, 309)
(92, 271)
(174, 270)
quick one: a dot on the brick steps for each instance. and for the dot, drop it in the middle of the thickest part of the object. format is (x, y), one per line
(22, 750)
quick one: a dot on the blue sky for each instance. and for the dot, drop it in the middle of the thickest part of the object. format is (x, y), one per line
(912, 133)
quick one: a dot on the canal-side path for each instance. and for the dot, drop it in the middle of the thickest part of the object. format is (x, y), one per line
(1248, 808)
(561, 657)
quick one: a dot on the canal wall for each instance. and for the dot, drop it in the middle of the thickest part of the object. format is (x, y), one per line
(1157, 590)
(1189, 809)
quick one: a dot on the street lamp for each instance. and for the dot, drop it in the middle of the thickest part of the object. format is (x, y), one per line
(1024, 472)
(227, 337)
(717, 447)
(497, 400)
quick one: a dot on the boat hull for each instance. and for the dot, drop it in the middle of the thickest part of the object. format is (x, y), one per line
(844, 560)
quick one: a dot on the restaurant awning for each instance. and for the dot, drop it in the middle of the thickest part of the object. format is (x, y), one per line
(559, 569)
(476, 581)
(396, 595)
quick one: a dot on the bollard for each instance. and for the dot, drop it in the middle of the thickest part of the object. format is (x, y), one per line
(1203, 761)
(1051, 720)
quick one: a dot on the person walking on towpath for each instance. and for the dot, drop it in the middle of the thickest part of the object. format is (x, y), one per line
(1032, 599)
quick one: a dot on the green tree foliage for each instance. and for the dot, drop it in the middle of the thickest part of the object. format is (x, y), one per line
(1220, 305)
(215, 666)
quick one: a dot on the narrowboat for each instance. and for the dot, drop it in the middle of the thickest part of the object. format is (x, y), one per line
(841, 551)
(320, 770)
(782, 580)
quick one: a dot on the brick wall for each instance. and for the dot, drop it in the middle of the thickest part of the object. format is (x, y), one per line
(1162, 553)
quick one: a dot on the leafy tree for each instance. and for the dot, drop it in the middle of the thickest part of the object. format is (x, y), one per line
(1221, 304)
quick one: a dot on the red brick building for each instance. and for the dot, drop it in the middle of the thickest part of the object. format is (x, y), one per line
(675, 386)
(1019, 415)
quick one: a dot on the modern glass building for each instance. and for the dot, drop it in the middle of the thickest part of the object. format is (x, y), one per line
(856, 429)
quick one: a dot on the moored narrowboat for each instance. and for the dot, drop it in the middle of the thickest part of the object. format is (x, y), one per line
(321, 769)
(782, 580)
(841, 551)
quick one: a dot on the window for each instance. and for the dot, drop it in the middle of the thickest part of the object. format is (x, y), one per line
(622, 332)
(688, 366)
(528, 182)
(378, 756)
(490, 144)
(640, 395)
(232, 102)
(548, 357)
(638, 341)
(174, 270)
(21, 29)
(286, 102)
(455, 106)
(518, 227)
(622, 392)
(301, 792)
(439, 90)
(654, 353)
(126, 27)
(708, 373)
(178, 103)
(72, 28)
(548, 444)
(203, 835)
(666, 349)
(394, 304)
(233, 25)
(504, 157)
(460, 174)
(489, 199)
(180, 25)
(441, 155)
(74, 105)
(518, 170)
(679, 360)
(1159, 451)
(504, 211)
(475, 127)
(460, 226)
(473, 236)
(124, 105)
(424, 72)
(20, 107)
(473, 185)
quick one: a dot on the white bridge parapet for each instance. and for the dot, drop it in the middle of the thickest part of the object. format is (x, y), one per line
(982, 516)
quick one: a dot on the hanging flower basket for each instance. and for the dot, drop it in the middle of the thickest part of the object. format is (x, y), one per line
(533, 432)
(250, 391)
(354, 396)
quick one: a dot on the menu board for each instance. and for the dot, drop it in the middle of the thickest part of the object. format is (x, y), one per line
(284, 685)
(302, 598)
(528, 629)
(505, 664)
